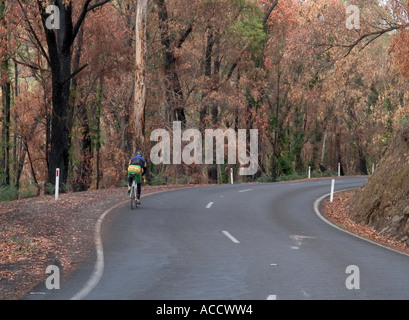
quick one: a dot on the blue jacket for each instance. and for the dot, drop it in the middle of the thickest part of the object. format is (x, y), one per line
(138, 161)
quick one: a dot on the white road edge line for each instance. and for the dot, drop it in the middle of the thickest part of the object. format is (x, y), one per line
(318, 213)
(99, 265)
(209, 205)
(245, 190)
(228, 235)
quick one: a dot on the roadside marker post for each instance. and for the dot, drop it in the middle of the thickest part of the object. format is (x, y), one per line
(339, 169)
(309, 172)
(231, 175)
(332, 190)
(57, 182)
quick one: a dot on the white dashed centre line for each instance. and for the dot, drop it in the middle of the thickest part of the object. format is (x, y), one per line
(35, 293)
(209, 205)
(245, 190)
(228, 235)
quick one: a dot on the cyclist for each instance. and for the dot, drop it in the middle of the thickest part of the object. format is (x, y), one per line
(136, 170)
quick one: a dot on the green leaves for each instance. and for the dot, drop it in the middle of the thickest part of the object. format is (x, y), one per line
(249, 29)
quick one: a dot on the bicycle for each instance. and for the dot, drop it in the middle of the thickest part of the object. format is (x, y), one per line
(134, 203)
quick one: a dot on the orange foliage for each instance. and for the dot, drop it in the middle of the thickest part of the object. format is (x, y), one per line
(400, 49)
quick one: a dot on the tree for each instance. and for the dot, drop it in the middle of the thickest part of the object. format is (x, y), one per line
(283, 68)
(140, 75)
(59, 57)
(6, 97)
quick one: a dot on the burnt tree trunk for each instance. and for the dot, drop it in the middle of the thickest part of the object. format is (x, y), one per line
(174, 93)
(98, 137)
(6, 103)
(362, 159)
(84, 171)
(59, 57)
(6, 95)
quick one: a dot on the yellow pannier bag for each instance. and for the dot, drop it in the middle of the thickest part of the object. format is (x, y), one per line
(134, 169)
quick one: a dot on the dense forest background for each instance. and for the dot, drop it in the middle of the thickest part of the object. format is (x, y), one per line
(85, 96)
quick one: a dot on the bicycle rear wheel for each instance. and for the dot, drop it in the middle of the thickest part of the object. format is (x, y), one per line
(134, 204)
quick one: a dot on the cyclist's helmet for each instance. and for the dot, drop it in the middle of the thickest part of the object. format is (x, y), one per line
(138, 153)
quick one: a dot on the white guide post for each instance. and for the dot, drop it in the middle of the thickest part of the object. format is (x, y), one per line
(332, 190)
(57, 182)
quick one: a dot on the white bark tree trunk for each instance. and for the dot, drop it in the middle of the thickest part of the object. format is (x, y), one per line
(140, 74)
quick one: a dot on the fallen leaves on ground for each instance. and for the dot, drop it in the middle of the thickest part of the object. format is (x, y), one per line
(338, 212)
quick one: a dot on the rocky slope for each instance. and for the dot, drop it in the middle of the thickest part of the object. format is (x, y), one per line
(383, 202)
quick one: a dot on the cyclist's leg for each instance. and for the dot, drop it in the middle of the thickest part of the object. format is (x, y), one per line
(138, 187)
(130, 179)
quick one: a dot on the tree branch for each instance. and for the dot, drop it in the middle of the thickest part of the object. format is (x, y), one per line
(27, 64)
(376, 35)
(97, 5)
(34, 33)
(368, 37)
(185, 34)
(85, 9)
(273, 5)
(75, 73)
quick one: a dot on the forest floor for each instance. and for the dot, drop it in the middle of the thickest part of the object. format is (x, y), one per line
(38, 232)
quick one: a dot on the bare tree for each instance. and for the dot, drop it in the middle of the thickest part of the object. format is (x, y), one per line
(138, 118)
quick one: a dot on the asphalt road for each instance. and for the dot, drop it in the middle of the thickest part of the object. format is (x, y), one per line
(234, 242)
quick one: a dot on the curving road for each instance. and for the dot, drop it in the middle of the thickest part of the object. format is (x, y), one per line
(235, 242)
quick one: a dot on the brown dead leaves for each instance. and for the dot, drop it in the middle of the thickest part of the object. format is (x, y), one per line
(338, 212)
